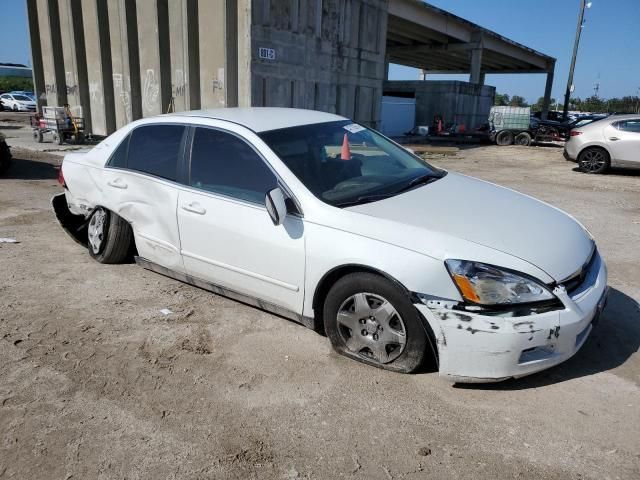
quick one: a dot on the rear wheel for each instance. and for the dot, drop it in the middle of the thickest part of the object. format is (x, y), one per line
(523, 139)
(504, 137)
(371, 320)
(109, 237)
(594, 160)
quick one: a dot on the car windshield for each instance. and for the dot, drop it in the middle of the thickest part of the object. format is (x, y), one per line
(343, 163)
(21, 98)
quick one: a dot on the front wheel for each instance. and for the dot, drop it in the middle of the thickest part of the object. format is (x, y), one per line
(109, 237)
(369, 319)
(594, 160)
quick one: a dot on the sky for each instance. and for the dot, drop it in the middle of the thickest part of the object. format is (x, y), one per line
(609, 46)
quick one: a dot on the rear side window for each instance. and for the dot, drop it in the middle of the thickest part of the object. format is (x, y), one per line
(223, 163)
(155, 149)
(629, 125)
(118, 158)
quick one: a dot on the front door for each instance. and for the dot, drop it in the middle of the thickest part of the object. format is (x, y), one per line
(226, 234)
(623, 139)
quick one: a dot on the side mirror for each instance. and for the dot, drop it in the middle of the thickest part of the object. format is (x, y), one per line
(276, 206)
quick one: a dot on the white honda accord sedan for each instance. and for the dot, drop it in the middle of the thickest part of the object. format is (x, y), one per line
(319, 219)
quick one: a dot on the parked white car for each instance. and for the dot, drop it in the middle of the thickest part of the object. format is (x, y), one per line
(319, 219)
(17, 102)
(612, 141)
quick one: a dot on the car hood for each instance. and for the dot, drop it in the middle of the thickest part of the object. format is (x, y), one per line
(494, 217)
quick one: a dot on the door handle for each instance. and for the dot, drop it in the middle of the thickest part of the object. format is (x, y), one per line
(613, 139)
(117, 183)
(194, 207)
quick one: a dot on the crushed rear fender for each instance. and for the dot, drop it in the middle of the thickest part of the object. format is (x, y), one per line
(74, 225)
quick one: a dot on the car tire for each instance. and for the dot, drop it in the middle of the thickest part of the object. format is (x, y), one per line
(370, 319)
(504, 137)
(110, 237)
(594, 160)
(523, 139)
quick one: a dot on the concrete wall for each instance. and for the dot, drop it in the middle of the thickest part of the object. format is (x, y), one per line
(329, 55)
(455, 101)
(120, 60)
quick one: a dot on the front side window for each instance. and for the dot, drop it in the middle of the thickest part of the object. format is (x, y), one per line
(343, 163)
(629, 125)
(155, 149)
(223, 163)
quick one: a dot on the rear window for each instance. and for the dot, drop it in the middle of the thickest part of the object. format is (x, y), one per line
(155, 149)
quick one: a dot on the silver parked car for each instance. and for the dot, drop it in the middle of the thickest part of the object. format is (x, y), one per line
(613, 141)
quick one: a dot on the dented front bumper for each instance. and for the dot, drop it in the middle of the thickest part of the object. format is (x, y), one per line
(481, 348)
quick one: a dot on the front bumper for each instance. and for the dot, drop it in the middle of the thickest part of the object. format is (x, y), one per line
(484, 348)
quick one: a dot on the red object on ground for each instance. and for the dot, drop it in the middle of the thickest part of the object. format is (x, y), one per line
(461, 128)
(345, 154)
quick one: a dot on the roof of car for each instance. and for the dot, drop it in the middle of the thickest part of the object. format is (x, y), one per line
(261, 119)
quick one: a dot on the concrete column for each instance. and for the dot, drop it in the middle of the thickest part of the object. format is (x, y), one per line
(547, 91)
(36, 53)
(211, 28)
(71, 81)
(245, 49)
(81, 62)
(48, 62)
(231, 52)
(120, 72)
(476, 65)
(94, 68)
(482, 75)
(150, 74)
(179, 55)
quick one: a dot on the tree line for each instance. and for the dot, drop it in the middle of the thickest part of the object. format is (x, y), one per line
(595, 104)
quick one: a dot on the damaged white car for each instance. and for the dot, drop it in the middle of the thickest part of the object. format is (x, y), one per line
(321, 220)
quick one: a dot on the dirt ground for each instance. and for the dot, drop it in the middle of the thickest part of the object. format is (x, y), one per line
(95, 382)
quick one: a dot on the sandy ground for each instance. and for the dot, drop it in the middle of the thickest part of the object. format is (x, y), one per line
(95, 382)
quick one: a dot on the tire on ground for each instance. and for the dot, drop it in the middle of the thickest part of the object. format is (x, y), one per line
(504, 137)
(523, 139)
(117, 241)
(419, 350)
(585, 160)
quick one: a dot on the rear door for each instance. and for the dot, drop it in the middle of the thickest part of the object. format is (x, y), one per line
(141, 186)
(623, 139)
(226, 234)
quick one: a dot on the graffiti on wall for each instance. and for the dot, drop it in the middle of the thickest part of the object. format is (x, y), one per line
(121, 89)
(150, 90)
(179, 89)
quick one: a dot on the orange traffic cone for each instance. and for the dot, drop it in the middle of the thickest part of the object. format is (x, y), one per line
(345, 154)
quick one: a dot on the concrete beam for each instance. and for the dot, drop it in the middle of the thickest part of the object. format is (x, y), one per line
(450, 47)
(415, 12)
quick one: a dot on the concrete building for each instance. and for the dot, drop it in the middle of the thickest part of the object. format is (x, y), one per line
(119, 60)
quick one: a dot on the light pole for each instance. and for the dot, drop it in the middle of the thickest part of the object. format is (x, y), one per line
(567, 95)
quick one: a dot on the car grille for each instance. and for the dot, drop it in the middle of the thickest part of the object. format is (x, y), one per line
(576, 280)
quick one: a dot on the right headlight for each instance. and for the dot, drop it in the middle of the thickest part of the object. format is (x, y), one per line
(484, 284)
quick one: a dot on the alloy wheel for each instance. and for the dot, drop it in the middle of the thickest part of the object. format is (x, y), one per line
(96, 230)
(370, 326)
(592, 160)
